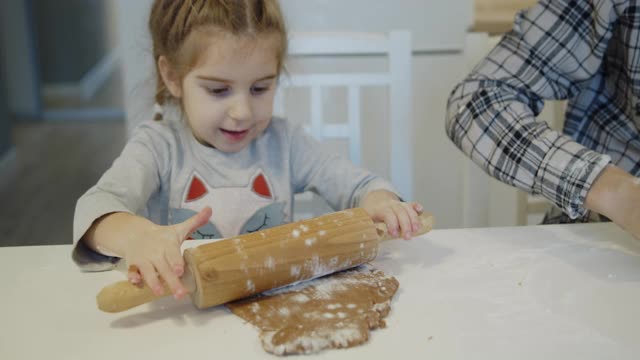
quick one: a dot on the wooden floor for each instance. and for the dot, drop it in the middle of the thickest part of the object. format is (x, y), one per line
(55, 163)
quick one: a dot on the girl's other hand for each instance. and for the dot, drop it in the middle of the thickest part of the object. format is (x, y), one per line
(400, 217)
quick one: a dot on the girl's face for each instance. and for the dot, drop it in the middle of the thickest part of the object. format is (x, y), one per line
(228, 95)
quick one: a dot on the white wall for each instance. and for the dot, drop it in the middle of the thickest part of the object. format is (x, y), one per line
(434, 24)
(438, 27)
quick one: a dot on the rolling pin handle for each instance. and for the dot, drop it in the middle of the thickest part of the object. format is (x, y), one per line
(124, 295)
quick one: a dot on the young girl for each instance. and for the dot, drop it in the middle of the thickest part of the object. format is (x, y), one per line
(216, 164)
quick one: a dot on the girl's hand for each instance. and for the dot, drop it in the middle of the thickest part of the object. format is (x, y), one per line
(153, 253)
(401, 218)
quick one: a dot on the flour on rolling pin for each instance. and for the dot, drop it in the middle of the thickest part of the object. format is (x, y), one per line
(336, 311)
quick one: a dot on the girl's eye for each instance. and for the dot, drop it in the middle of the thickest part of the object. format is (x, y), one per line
(259, 89)
(218, 91)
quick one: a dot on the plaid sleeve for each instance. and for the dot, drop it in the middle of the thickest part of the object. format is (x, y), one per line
(553, 50)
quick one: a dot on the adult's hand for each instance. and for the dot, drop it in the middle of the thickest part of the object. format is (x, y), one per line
(616, 195)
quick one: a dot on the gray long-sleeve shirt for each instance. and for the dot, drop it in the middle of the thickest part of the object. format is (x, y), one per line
(166, 175)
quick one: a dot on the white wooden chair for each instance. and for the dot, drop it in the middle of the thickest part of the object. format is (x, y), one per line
(395, 46)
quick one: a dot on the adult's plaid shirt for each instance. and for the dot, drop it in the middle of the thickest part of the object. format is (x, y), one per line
(586, 51)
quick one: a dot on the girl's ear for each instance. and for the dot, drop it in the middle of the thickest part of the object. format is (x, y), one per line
(169, 77)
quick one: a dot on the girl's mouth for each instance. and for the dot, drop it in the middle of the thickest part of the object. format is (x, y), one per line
(235, 135)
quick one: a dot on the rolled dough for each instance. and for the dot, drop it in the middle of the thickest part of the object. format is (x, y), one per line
(336, 311)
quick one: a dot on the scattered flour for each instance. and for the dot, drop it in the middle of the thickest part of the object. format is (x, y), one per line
(300, 298)
(310, 241)
(318, 268)
(251, 287)
(381, 306)
(270, 263)
(324, 286)
(295, 233)
(312, 344)
(295, 270)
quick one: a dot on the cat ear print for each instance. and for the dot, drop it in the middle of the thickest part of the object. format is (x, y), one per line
(196, 189)
(260, 186)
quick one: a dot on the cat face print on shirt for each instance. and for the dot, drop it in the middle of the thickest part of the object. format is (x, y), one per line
(236, 210)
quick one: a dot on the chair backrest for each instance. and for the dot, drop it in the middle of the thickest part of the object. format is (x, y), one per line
(396, 46)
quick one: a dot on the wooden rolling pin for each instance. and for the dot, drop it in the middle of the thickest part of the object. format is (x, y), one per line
(248, 264)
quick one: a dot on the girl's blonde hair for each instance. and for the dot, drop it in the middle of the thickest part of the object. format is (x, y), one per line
(172, 22)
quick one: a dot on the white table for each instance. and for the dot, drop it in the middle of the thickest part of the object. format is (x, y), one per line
(543, 292)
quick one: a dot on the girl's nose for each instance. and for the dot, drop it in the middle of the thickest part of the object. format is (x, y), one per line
(240, 109)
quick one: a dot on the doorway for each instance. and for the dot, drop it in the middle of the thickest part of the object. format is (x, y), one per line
(64, 113)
